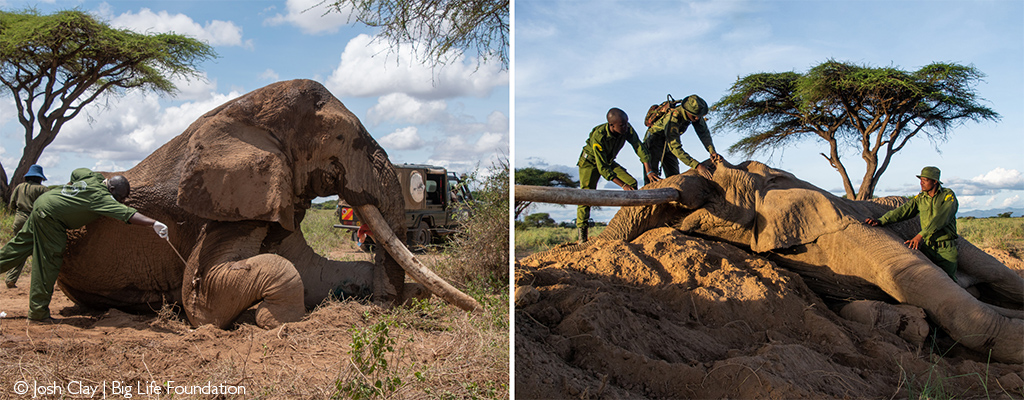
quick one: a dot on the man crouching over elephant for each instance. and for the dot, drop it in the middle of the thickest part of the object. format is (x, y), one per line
(44, 237)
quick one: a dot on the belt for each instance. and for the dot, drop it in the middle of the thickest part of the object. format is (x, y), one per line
(941, 244)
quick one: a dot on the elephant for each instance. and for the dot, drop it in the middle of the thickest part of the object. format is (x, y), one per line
(823, 238)
(234, 188)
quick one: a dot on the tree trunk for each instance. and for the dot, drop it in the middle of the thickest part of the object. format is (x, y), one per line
(867, 185)
(837, 164)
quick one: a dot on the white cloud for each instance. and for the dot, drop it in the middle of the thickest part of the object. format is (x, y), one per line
(992, 182)
(1012, 201)
(402, 108)
(216, 32)
(1001, 178)
(486, 147)
(199, 88)
(130, 128)
(407, 138)
(371, 68)
(270, 75)
(311, 17)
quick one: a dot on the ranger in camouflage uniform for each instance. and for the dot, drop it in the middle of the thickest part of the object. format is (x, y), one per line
(937, 207)
(598, 159)
(44, 237)
(22, 198)
(662, 138)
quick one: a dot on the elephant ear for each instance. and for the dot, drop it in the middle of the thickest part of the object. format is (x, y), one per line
(234, 171)
(791, 211)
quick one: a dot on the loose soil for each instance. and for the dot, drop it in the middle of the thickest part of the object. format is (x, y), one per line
(111, 349)
(674, 316)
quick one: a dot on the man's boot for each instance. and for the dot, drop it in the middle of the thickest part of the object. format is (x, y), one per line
(583, 233)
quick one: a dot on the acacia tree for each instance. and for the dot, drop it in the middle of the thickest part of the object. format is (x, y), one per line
(444, 28)
(55, 65)
(875, 110)
(539, 177)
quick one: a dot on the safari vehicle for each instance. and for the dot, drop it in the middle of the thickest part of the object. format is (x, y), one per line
(434, 201)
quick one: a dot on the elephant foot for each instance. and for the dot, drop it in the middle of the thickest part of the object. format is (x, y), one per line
(414, 291)
(907, 322)
(229, 288)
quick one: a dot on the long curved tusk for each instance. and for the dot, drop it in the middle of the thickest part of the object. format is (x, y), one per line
(544, 194)
(383, 235)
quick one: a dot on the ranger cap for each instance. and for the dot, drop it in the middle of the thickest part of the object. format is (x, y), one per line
(695, 105)
(932, 173)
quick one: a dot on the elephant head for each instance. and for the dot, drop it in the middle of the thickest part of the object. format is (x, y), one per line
(821, 237)
(235, 186)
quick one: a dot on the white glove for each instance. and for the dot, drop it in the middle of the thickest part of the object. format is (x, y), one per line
(161, 229)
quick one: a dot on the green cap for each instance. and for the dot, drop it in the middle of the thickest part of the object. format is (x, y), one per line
(695, 105)
(932, 173)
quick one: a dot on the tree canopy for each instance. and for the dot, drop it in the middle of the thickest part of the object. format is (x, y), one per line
(54, 65)
(870, 109)
(539, 177)
(441, 28)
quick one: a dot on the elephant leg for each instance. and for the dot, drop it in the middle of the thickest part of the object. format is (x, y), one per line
(226, 275)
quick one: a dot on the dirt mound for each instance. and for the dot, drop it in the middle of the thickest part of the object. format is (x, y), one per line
(674, 316)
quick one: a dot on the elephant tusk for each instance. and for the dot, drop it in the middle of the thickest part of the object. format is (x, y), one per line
(644, 197)
(385, 237)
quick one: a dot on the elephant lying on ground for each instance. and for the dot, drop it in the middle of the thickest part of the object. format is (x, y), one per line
(233, 188)
(821, 237)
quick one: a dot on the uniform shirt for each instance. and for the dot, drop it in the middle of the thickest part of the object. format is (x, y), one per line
(603, 145)
(25, 194)
(938, 215)
(81, 201)
(660, 128)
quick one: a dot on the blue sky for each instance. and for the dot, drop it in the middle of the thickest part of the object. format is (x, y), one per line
(456, 116)
(576, 59)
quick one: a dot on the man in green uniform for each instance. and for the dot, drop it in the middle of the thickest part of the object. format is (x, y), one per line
(937, 208)
(662, 138)
(44, 237)
(598, 159)
(24, 195)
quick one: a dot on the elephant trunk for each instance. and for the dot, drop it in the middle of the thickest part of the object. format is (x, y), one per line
(910, 278)
(383, 235)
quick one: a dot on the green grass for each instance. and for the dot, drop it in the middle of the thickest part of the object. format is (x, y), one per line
(1000, 233)
(6, 225)
(532, 240)
(320, 233)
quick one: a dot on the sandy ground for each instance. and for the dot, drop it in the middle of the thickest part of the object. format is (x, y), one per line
(674, 316)
(98, 354)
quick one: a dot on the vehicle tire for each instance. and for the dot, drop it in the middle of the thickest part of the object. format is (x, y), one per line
(421, 235)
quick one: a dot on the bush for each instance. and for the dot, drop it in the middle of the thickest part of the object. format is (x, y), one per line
(478, 252)
(539, 220)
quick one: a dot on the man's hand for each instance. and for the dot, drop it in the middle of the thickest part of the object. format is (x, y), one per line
(704, 171)
(653, 176)
(915, 242)
(160, 229)
(871, 222)
(627, 187)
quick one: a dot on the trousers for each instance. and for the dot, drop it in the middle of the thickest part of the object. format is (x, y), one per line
(44, 239)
